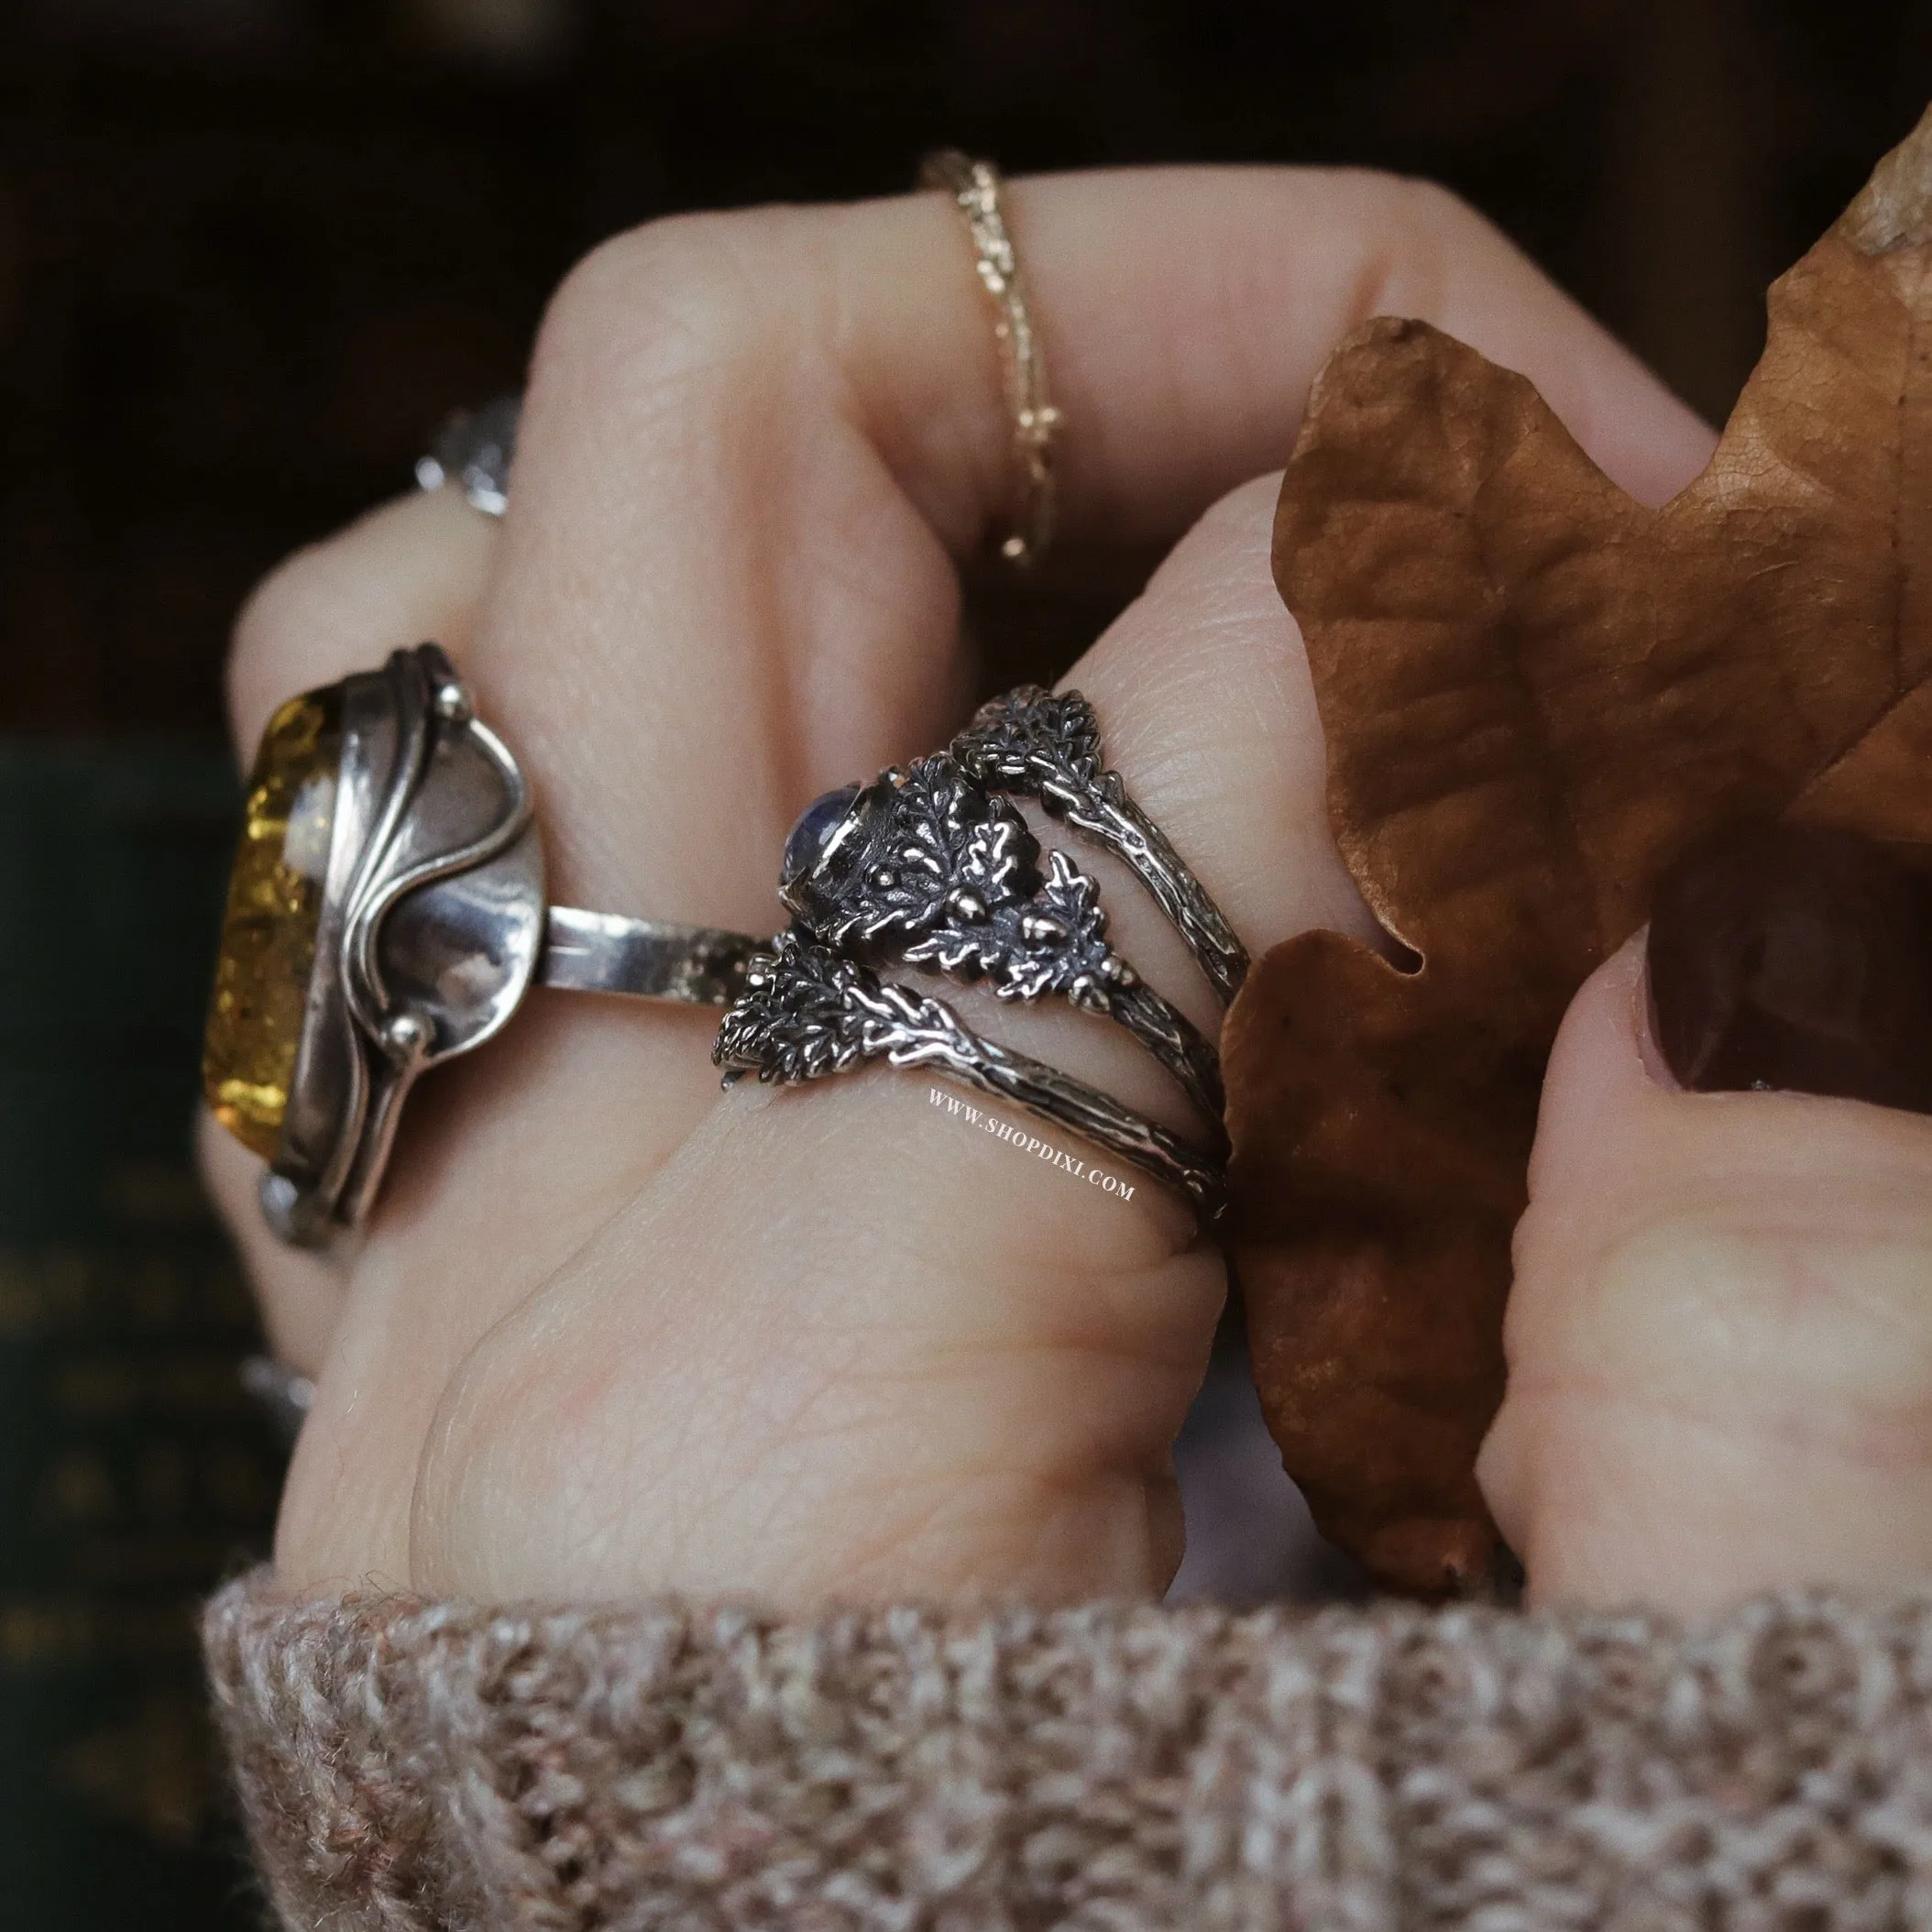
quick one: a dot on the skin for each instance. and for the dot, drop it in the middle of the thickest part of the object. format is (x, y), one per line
(1720, 1336)
(611, 1332)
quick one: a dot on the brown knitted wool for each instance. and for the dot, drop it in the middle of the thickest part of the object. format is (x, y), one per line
(410, 1765)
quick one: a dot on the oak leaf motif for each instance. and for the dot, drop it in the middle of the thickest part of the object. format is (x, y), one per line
(1536, 694)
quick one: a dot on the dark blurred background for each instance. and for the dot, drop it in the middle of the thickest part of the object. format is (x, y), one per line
(250, 252)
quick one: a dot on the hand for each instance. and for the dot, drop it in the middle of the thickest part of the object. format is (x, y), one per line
(1720, 1331)
(611, 1332)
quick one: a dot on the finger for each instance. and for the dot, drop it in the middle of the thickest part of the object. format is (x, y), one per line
(752, 446)
(410, 571)
(1185, 313)
(300, 1293)
(1720, 1336)
(752, 442)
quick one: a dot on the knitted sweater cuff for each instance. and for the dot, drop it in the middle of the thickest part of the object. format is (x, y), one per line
(405, 1764)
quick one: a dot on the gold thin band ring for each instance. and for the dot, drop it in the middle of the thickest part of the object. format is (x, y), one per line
(975, 186)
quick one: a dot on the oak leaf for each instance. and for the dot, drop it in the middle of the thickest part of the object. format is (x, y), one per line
(1536, 694)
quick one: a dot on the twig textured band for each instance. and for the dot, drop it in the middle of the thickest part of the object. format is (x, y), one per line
(975, 186)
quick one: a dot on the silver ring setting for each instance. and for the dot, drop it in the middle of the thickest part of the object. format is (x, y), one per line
(807, 1013)
(285, 1395)
(925, 867)
(931, 866)
(1046, 746)
(388, 913)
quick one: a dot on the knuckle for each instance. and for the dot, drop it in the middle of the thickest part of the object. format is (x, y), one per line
(280, 605)
(677, 296)
(1746, 1308)
(1430, 208)
(270, 644)
(409, 569)
(1425, 231)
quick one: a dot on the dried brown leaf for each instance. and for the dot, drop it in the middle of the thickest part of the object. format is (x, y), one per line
(1536, 694)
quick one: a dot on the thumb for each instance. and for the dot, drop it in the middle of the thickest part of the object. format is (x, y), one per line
(1719, 1339)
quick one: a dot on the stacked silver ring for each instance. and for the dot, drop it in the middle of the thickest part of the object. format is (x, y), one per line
(931, 865)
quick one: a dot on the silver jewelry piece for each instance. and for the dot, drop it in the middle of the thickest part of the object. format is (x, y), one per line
(285, 1394)
(924, 867)
(807, 1013)
(1037, 744)
(473, 449)
(420, 846)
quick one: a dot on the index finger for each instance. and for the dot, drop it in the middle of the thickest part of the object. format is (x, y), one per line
(755, 442)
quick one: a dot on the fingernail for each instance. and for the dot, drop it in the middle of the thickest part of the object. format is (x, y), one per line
(1794, 958)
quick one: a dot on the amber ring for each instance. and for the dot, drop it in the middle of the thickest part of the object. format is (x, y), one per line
(386, 913)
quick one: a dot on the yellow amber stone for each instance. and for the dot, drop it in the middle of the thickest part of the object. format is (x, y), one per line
(275, 894)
